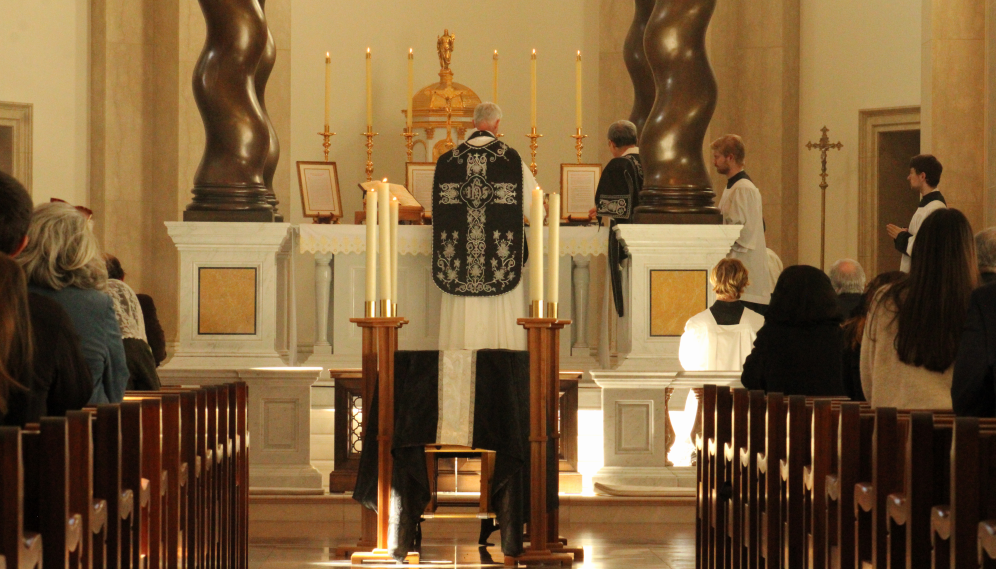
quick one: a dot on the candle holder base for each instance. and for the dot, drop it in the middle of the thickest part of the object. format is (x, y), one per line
(533, 145)
(370, 309)
(370, 134)
(579, 145)
(537, 309)
(551, 310)
(326, 141)
(387, 309)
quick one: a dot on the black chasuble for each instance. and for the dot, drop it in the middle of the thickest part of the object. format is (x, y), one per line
(477, 227)
(616, 198)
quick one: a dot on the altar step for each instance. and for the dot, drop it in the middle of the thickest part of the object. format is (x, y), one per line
(338, 515)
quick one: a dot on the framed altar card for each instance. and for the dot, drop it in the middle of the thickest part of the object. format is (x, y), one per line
(418, 180)
(577, 189)
(319, 183)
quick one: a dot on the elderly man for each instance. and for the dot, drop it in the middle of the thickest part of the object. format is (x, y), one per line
(985, 250)
(480, 194)
(848, 279)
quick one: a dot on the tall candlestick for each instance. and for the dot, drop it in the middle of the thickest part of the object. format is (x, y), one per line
(371, 288)
(395, 206)
(578, 77)
(370, 105)
(328, 87)
(494, 95)
(384, 232)
(411, 86)
(532, 90)
(536, 250)
(553, 257)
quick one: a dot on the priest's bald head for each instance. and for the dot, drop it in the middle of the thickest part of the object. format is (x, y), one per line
(487, 116)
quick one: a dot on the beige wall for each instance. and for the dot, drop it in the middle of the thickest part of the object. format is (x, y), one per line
(44, 62)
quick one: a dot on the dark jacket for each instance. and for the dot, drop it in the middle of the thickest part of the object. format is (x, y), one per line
(62, 376)
(847, 302)
(153, 330)
(972, 389)
(796, 359)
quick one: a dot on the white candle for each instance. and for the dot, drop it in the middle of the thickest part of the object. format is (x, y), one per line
(370, 106)
(578, 89)
(394, 249)
(494, 89)
(384, 231)
(553, 255)
(536, 247)
(328, 87)
(371, 246)
(532, 90)
(411, 86)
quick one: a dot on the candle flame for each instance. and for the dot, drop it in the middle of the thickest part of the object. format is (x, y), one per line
(534, 53)
(496, 54)
(409, 52)
(368, 52)
(579, 55)
(385, 180)
(327, 55)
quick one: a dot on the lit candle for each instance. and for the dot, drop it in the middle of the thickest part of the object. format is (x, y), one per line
(578, 75)
(553, 255)
(328, 87)
(536, 247)
(494, 96)
(395, 206)
(411, 86)
(371, 246)
(384, 231)
(532, 90)
(370, 104)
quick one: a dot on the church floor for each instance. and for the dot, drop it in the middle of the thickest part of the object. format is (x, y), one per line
(606, 546)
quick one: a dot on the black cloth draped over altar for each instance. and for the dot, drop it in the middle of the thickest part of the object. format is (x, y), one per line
(500, 424)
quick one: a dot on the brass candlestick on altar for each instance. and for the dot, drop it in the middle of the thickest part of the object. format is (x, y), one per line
(579, 146)
(370, 134)
(823, 146)
(409, 134)
(326, 140)
(533, 145)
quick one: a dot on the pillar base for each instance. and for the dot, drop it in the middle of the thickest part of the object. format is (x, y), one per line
(250, 215)
(672, 218)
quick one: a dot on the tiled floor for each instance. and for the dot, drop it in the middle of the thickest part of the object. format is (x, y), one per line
(606, 546)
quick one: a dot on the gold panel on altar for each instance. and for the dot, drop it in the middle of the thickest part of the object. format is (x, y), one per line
(675, 296)
(226, 300)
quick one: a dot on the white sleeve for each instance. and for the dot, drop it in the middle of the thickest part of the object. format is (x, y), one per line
(693, 349)
(738, 213)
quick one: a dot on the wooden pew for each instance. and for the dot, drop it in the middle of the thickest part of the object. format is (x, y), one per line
(242, 474)
(739, 440)
(92, 510)
(20, 549)
(108, 486)
(823, 429)
(45, 450)
(769, 483)
(798, 454)
(885, 478)
(720, 489)
(707, 403)
(133, 480)
(853, 461)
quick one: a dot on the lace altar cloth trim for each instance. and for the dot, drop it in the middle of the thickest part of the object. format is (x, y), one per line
(417, 240)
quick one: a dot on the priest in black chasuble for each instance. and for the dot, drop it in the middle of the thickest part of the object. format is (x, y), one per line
(616, 196)
(480, 194)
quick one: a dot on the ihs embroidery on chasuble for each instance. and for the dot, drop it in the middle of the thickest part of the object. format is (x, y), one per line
(477, 246)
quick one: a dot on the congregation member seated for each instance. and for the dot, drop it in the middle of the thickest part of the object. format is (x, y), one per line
(848, 280)
(914, 326)
(17, 406)
(62, 261)
(720, 337)
(61, 380)
(797, 351)
(854, 328)
(141, 362)
(985, 250)
(973, 393)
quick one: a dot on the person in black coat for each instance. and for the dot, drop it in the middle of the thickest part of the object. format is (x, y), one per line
(972, 388)
(797, 351)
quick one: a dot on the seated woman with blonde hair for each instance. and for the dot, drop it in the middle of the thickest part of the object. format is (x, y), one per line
(721, 337)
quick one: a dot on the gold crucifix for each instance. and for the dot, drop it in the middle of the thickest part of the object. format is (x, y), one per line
(823, 146)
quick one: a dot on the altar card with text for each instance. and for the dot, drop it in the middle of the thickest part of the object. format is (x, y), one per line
(577, 189)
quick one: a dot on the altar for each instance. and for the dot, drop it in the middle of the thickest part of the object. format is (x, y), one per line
(340, 265)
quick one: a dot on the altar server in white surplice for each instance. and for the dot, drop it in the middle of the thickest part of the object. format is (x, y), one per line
(721, 337)
(481, 191)
(741, 205)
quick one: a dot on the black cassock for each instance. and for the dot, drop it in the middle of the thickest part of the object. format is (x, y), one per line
(616, 198)
(501, 424)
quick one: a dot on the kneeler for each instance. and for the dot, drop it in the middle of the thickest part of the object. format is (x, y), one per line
(477, 399)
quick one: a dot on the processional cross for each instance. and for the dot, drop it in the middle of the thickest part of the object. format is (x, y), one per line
(823, 146)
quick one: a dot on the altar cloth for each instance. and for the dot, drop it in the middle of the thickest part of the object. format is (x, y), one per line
(495, 406)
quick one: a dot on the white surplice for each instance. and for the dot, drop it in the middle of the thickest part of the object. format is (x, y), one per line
(708, 346)
(741, 205)
(488, 322)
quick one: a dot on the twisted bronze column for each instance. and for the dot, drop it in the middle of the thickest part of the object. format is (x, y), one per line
(273, 156)
(676, 185)
(228, 185)
(644, 89)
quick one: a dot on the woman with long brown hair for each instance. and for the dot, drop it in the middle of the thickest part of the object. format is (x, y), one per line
(854, 329)
(911, 337)
(16, 365)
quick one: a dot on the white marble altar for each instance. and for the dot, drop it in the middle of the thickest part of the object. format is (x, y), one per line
(340, 265)
(236, 295)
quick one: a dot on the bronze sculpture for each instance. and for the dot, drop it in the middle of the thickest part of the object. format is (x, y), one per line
(644, 89)
(229, 183)
(273, 155)
(676, 186)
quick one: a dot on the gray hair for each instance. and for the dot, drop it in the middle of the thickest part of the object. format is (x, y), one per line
(985, 249)
(62, 250)
(622, 133)
(846, 275)
(486, 114)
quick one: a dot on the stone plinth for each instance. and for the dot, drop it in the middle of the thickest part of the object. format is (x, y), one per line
(636, 430)
(279, 423)
(665, 282)
(236, 295)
